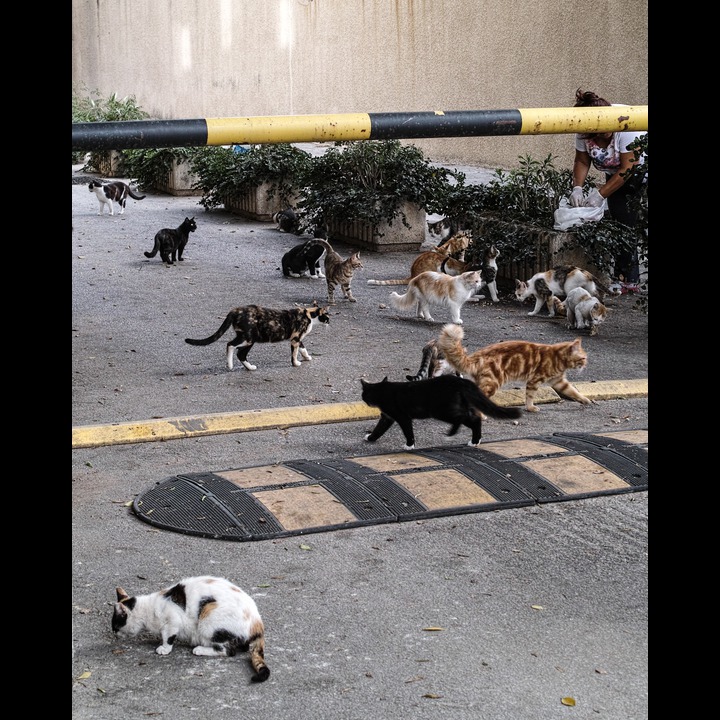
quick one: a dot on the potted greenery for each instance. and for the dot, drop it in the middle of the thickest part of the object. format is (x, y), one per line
(91, 107)
(515, 212)
(165, 169)
(255, 183)
(374, 193)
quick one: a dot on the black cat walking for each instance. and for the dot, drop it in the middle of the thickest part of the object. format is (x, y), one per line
(448, 398)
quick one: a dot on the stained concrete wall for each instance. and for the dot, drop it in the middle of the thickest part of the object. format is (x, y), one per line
(238, 58)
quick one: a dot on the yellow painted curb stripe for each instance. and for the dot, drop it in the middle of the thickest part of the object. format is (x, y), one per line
(546, 121)
(288, 128)
(175, 428)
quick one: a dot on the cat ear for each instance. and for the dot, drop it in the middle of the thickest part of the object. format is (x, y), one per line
(121, 594)
(385, 379)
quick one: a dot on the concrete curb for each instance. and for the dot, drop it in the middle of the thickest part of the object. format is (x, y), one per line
(175, 428)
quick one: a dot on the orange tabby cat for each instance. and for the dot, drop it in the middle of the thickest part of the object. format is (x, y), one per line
(535, 363)
(448, 259)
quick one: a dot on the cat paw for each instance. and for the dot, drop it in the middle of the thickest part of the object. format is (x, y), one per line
(352, 299)
(296, 363)
(163, 649)
(472, 444)
(248, 366)
(458, 321)
(367, 437)
(532, 408)
(409, 447)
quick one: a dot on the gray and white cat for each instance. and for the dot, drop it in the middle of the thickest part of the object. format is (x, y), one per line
(116, 191)
(434, 288)
(584, 310)
(210, 613)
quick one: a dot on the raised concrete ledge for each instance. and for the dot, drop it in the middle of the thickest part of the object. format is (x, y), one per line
(176, 428)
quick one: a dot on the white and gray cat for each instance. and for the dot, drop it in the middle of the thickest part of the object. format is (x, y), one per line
(210, 613)
(583, 310)
(116, 191)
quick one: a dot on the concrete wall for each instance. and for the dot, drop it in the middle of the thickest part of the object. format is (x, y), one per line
(237, 58)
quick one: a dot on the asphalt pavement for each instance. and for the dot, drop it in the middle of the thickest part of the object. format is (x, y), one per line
(512, 613)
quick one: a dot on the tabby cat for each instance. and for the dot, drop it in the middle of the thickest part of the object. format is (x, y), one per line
(339, 272)
(210, 613)
(303, 259)
(447, 398)
(116, 191)
(584, 310)
(559, 280)
(437, 289)
(441, 230)
(534, 363)
(254, 324)
(171, 242)
(438, 261)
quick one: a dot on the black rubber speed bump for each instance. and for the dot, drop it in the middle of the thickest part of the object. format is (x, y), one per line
(306, 496)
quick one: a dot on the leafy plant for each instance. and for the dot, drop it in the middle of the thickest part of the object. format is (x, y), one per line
(150, 167)
(226, 172)
(369, 180)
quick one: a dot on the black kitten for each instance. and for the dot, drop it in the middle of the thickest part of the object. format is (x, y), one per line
(448, 398)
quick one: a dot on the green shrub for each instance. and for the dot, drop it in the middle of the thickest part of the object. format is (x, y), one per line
(224, 172)
(150, 167)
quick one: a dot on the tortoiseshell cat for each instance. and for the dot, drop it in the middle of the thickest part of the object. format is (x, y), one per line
(171, 242)
(254, 324)
(210, 613)
(435, 288)
(339, 272)
(433, 363)
(559, 280)
(116, 191)
(534, 363)
(287, 221)
(448, 398)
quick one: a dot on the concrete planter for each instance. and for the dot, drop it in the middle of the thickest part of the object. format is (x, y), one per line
(255, 203)
(111, 163)
(180, 180)
(385, 237)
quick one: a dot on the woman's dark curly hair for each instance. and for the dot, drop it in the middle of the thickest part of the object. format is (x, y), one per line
(589, 99)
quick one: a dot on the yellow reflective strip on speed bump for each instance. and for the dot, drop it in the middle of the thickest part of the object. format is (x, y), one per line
(288, 128)
(615, 118)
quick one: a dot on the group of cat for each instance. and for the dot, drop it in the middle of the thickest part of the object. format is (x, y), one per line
(453, 385)
(169, 242)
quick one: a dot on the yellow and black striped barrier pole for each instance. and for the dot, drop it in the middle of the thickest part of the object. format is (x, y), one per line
(130, 134)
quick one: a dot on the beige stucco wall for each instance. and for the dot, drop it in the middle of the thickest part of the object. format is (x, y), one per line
(237, 58)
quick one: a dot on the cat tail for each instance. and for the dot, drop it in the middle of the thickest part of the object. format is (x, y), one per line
(227, 322)
(389, 282)
(604, 289)
(483, 404)
(450, 344)
(325, 244)
(257, 658)
(154, 251)
(135, 195)
(406, 301)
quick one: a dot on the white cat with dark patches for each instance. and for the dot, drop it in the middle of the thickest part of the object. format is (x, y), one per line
(434, 288)
(210, 613)
(110, 192)
(559, 280)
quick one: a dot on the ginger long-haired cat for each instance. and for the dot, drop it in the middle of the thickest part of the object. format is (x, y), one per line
(535, 363)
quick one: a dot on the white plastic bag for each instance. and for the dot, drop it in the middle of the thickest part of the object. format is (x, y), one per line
(566, 216)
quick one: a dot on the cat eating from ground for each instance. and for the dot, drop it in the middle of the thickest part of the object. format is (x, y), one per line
(584, 310)
(534, 363)
(210, 613)
(559, 280)
(437, 289)
(447, 398)
(254, 324)
(339, 272)
(171, 242)
(287, 221)
(116, 191)
(303, 259)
